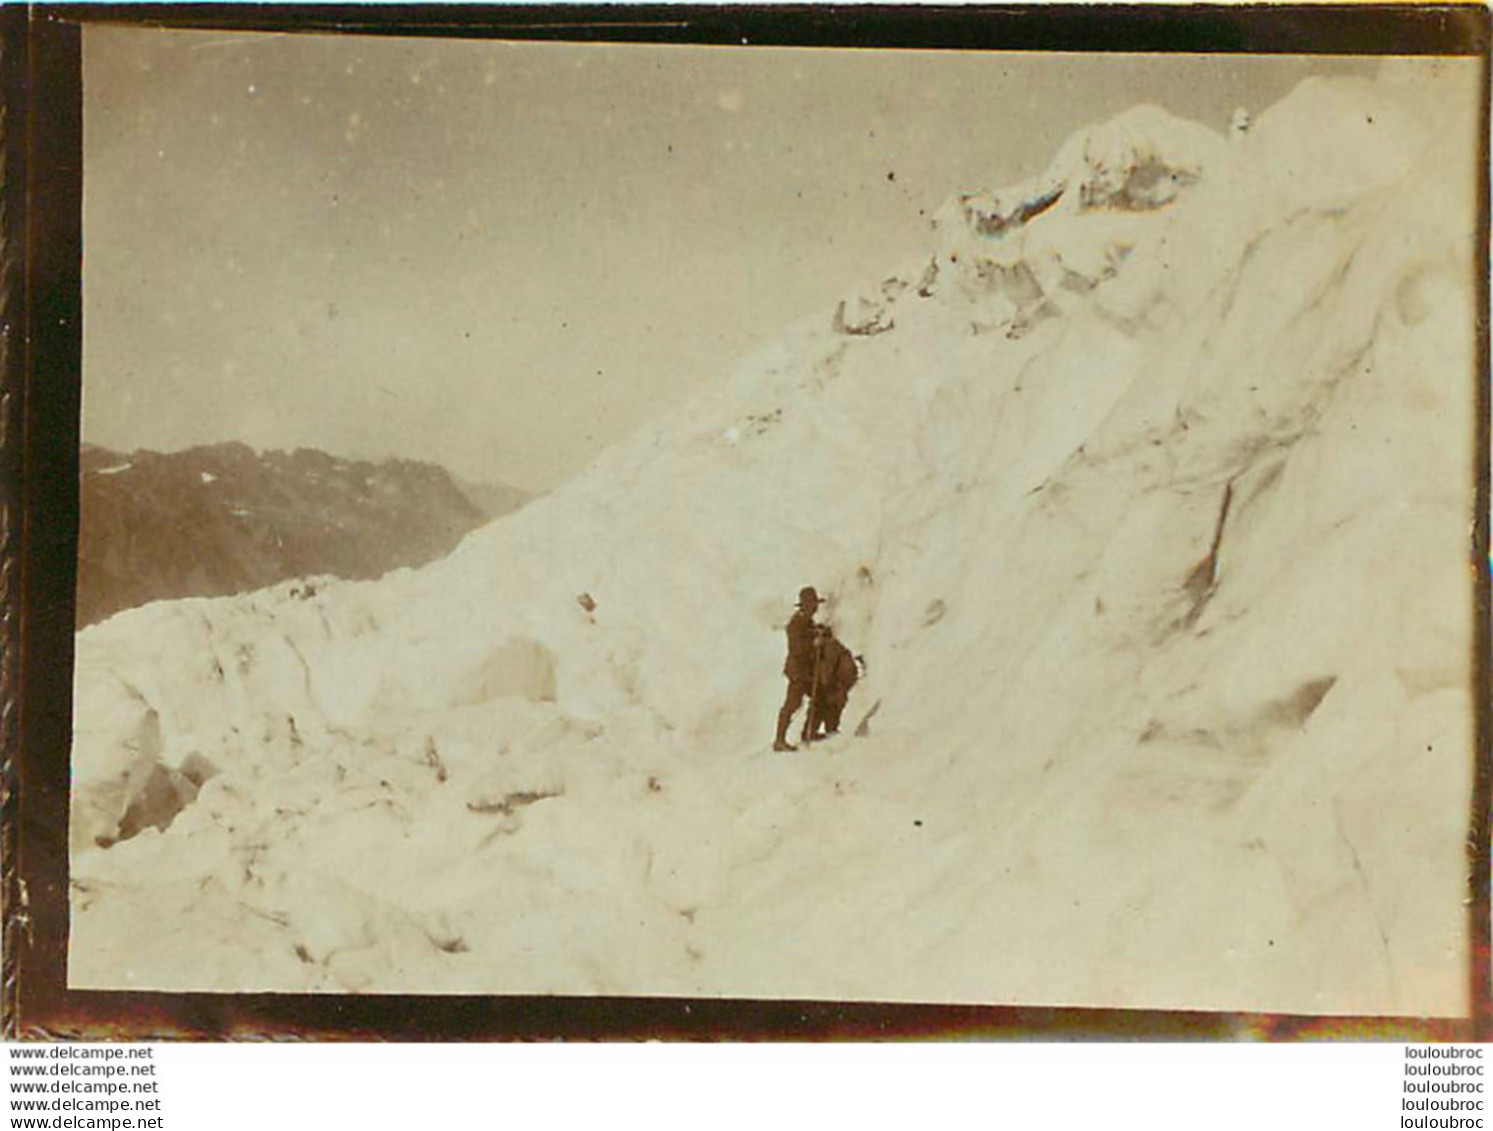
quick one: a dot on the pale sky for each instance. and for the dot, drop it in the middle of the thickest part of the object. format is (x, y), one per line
(503, 256)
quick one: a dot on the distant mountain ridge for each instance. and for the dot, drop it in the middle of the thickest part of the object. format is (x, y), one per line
(222, 519)
(1146, 495)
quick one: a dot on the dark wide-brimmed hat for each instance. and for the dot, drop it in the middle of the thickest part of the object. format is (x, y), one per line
(808, 598)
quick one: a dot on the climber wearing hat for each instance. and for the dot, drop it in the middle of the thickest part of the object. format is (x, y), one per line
(799, 666)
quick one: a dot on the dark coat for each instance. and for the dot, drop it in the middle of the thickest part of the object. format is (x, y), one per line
(837, 671)
(799, 666)
(845, 670)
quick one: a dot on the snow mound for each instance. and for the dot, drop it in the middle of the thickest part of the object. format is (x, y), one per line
(1027, 252)
(1138, 162)
(1145, 497)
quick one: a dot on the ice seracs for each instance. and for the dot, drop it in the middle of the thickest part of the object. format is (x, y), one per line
(1145, 495)
(1021, 253)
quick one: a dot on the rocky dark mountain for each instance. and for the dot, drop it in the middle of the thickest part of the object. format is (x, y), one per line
(223, 519)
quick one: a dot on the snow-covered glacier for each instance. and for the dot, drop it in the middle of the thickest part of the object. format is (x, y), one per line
(1146, 495)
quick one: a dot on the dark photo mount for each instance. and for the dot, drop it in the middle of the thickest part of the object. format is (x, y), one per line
(41, 131)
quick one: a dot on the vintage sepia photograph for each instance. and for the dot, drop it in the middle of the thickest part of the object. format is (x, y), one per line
(780, 523)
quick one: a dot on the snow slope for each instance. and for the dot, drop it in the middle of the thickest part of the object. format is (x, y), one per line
(1146, 497)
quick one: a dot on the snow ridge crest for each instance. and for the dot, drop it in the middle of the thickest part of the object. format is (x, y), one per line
(1018, 255)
